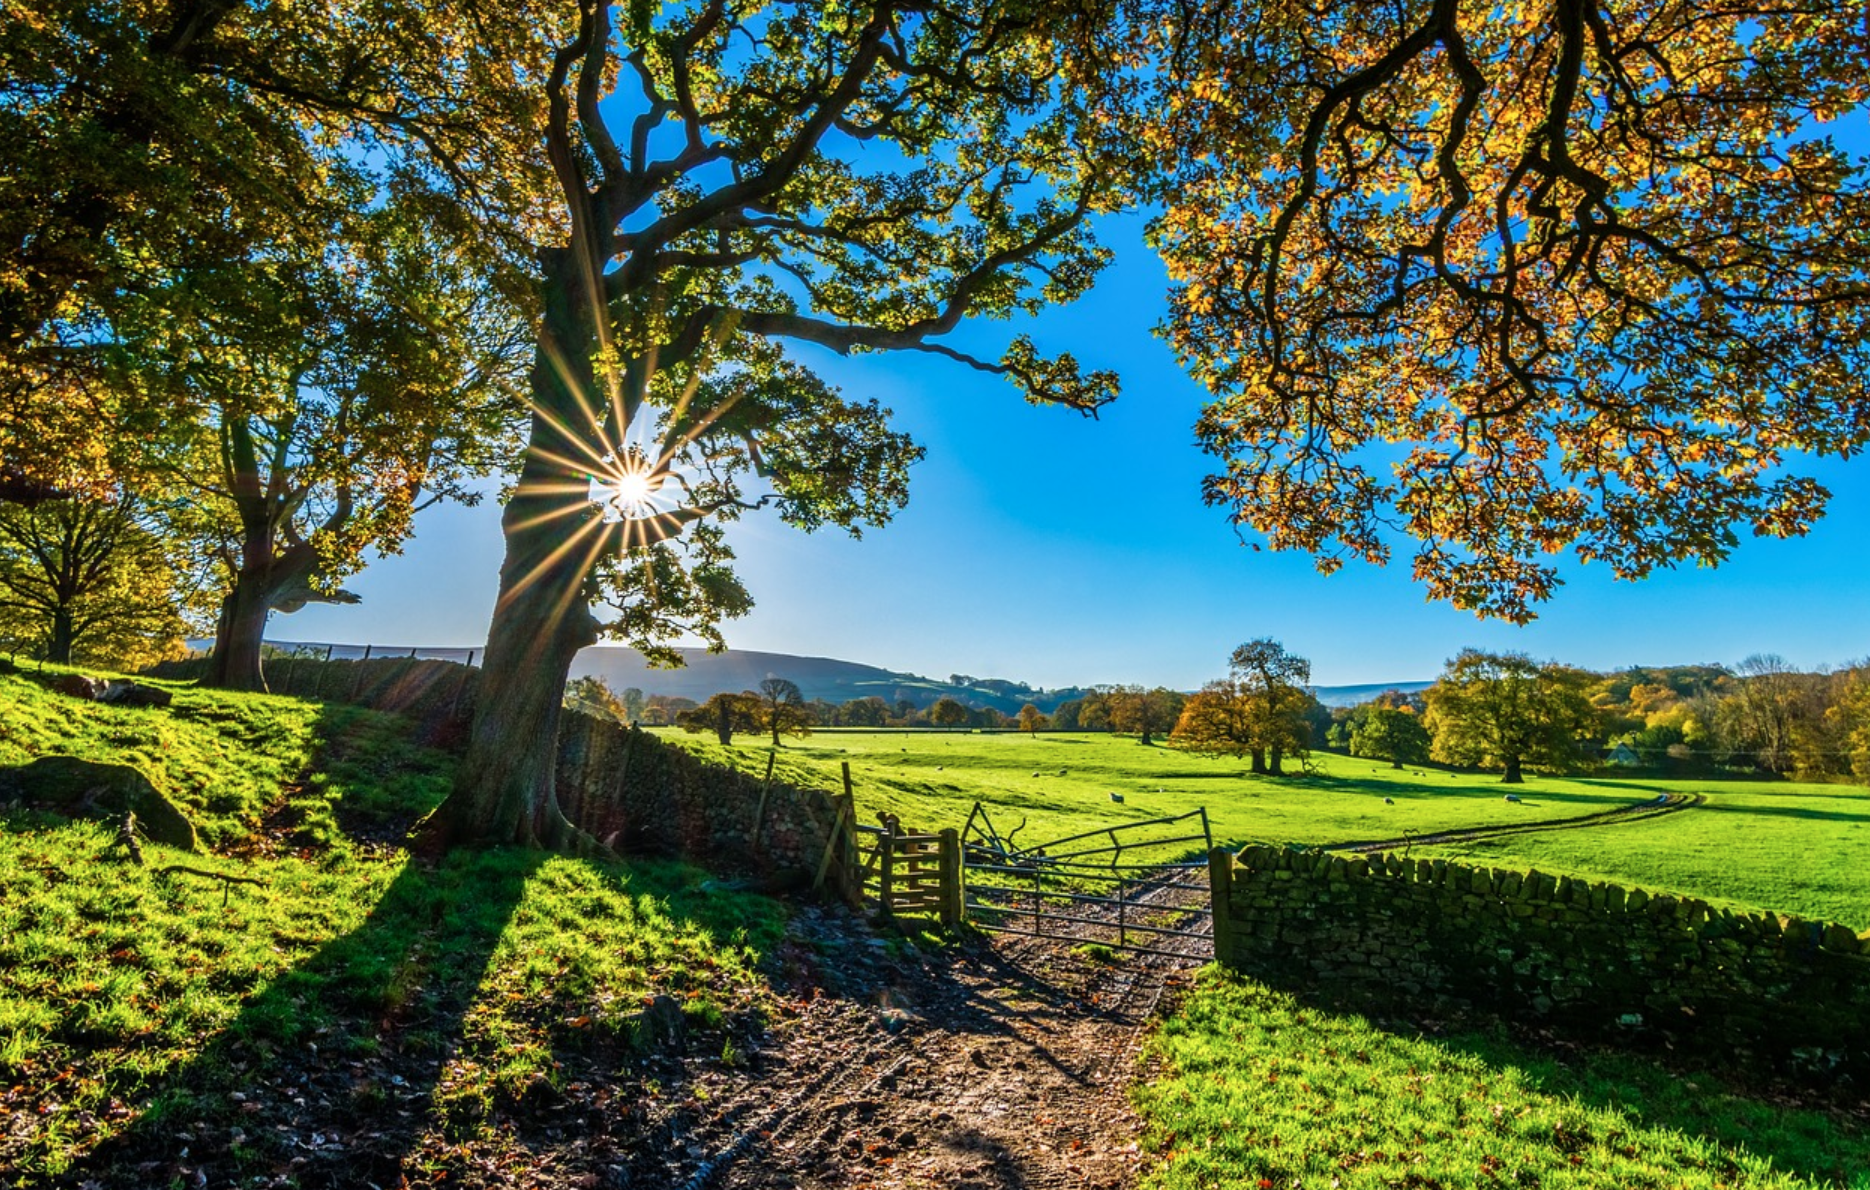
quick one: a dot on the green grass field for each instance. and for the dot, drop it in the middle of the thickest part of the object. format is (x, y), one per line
(137, 1005)
(1782, 846)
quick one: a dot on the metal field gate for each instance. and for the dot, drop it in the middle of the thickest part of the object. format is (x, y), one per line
(1126, 888)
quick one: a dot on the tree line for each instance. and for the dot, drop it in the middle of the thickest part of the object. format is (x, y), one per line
(1504, 711)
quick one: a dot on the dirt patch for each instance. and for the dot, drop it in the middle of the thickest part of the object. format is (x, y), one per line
(999, 1066)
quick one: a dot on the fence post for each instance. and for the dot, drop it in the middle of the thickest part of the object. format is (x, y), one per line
(953, 895)
(1123, 905)
(1221, 898)
(759, 813)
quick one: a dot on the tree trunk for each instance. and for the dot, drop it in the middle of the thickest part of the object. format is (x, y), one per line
(1278, 758)
(59, 650)
(1257, 760)
(506, 790)
(1512, 776)
(1395, 762)
(724, 728)
(238, 639)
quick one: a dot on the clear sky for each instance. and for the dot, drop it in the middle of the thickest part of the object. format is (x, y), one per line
(1046, 547)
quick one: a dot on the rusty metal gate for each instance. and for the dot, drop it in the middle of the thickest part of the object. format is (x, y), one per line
(1128, 887)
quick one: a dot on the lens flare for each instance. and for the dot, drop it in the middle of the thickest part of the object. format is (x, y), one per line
(630, 488)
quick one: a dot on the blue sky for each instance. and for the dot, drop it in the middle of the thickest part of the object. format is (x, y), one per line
(1047, 547)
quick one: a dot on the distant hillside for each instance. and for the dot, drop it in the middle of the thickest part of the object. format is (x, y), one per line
(818, 677)
(1350, 696)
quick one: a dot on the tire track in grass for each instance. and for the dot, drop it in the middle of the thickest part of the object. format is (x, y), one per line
(1656, 807)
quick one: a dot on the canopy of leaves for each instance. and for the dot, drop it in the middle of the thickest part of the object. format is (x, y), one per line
(1511, 280)
(88, 582)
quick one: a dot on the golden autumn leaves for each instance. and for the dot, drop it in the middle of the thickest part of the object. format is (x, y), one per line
(1505, 282)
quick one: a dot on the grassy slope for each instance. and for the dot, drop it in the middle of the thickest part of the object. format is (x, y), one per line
(1772, 845)
(126, 994)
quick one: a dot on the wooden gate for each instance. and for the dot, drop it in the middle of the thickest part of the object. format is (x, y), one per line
(914, 873)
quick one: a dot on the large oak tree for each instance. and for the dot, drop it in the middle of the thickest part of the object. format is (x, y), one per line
(1502, 281)
(734, 178)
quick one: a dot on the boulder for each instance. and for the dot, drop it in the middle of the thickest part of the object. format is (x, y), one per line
(72, 786)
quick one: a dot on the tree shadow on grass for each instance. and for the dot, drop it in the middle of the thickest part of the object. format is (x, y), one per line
(327, 1077)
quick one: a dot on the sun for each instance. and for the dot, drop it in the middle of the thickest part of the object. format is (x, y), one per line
(630, 487)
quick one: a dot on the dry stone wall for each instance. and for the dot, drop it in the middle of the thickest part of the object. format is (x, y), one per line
(637, 793)
(625, 786)
(1608, 962)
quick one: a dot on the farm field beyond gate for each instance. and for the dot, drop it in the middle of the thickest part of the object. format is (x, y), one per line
(1780, 845)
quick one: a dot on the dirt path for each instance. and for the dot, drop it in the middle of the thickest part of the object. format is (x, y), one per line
(1003, 1066)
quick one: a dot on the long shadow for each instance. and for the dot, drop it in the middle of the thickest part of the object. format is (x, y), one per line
(1789, 812)
(1815, 1135)
(326, 1076)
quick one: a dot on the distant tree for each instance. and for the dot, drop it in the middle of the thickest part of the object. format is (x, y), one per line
(1395, 734)
(1762, 715)
(661, 710)
(782, 709)
(1031, 719)
(633, 702)
(1220, 719)
(864, 712)
(1507, 710)
(90, 581)
(1277, 683)
(1094, 711)
(1065, 715)
(1147, 713)
(593, 695)
(724, 714)
(948, 712)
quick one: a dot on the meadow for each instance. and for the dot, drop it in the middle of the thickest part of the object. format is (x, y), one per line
(431, 1009)
(1778, 845)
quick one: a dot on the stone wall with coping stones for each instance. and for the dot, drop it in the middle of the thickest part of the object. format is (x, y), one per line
(1766, 989)
(637, 793)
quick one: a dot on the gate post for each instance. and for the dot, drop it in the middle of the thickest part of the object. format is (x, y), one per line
(953, 897)
(1221, 897)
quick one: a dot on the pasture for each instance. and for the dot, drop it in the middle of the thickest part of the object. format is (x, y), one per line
(1779, 845)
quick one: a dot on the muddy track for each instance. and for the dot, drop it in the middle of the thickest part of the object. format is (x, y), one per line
(1000, 1066)
(1672, 803)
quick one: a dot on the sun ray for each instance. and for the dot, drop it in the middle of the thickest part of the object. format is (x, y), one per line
(546, 563)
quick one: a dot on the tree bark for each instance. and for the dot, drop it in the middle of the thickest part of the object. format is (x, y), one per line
(506, 791)
(59, 650)
(1256, 759)
(1512, 776)
(239, 637)
(1274, 768)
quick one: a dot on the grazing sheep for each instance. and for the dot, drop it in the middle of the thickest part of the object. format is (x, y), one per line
(1512, 797)
(1389, 801)
(1116, 797)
